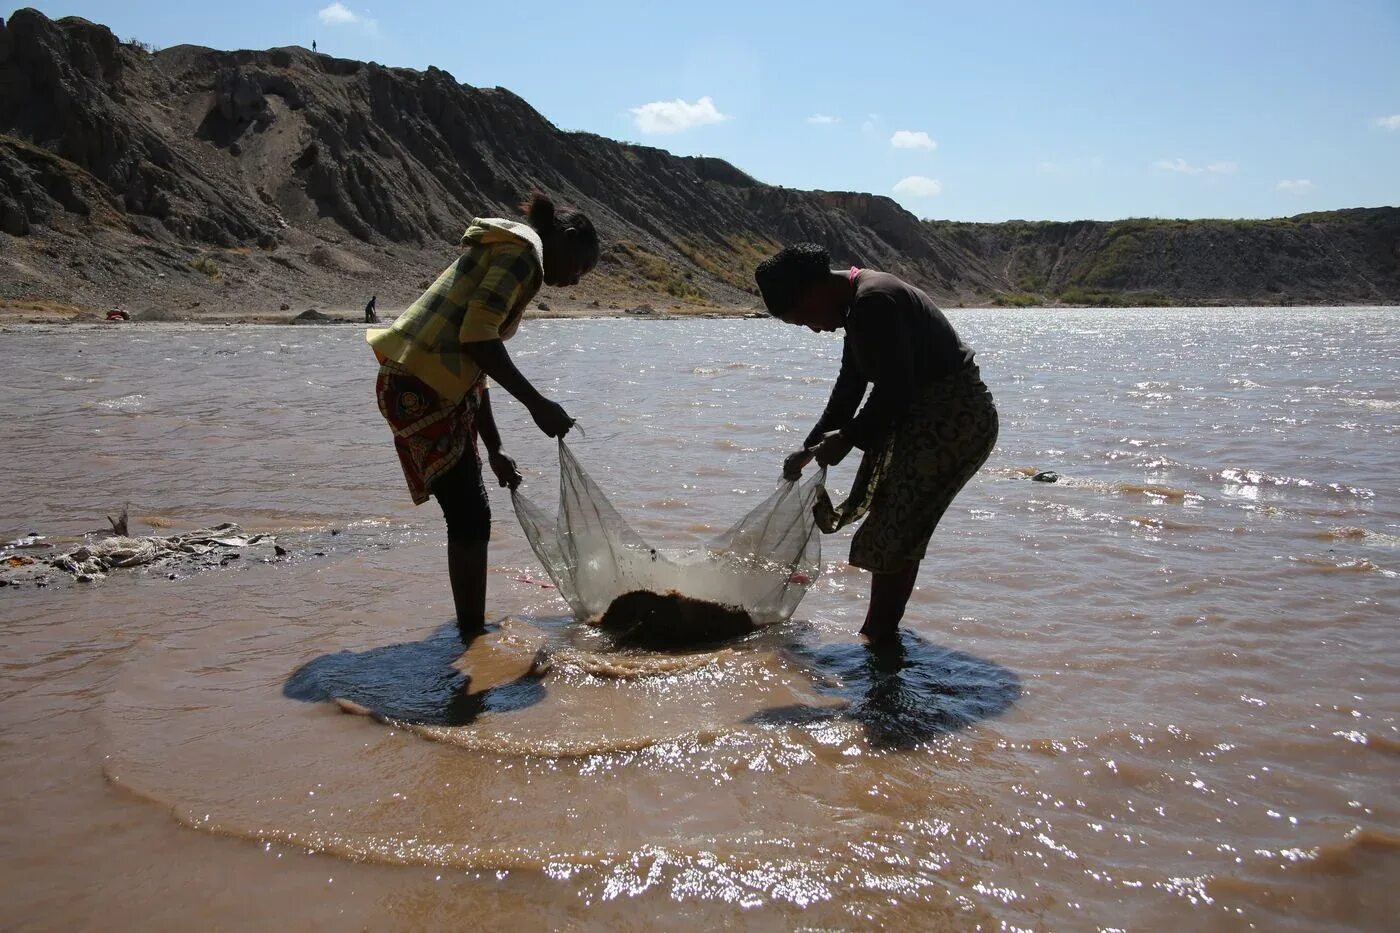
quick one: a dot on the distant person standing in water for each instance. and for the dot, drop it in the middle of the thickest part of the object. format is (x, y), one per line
(926, 429)
(434, 362)
(370, 316)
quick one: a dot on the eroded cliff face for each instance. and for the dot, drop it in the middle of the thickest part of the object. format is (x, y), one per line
(248, 177)
(1319, 258)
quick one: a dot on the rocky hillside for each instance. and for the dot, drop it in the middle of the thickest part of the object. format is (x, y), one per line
(1321, 258)
(189, 180)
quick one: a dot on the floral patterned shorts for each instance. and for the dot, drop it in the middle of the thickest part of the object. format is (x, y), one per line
(907, 485)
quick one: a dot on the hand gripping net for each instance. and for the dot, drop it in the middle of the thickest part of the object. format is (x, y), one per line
(752, 575)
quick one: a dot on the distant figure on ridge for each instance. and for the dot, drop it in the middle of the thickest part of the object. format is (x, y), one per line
(370, 316)
(313, 45)
(434, 361)
(926, 429)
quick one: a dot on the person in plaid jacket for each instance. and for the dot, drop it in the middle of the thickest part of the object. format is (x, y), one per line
(434, 362)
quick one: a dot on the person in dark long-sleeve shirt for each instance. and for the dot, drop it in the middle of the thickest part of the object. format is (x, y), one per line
(928, 424)
(897, 340)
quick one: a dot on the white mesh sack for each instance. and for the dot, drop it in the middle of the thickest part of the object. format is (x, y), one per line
(754, 574)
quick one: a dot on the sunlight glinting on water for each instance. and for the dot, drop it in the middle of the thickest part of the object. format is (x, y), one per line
(1160, 691)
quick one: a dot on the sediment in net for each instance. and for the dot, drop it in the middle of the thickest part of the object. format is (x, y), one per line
(671, 619)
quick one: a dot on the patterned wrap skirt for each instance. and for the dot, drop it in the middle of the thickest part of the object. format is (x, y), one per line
(431, 434)
(903, 488)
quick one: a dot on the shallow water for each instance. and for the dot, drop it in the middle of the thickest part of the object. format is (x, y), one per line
(1161, 692)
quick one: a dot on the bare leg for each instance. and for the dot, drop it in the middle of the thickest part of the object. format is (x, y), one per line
(889, 594)
(466, 567)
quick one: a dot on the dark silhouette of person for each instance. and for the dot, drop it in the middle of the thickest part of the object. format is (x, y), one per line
(313, 45)
(431, 388)
(927, 425)
(370, 316)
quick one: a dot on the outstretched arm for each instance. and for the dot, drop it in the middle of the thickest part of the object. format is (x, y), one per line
(495, 362)
(840, 408)
(486, 424)
(845, 399)
(896, 384)
(501, 463)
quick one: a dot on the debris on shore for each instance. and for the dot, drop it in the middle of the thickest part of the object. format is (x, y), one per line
(87, 563)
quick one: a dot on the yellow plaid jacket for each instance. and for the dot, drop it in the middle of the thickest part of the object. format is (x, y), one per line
(481, 296)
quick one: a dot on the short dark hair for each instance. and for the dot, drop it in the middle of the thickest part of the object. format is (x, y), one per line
(539, 210)
(783, 276)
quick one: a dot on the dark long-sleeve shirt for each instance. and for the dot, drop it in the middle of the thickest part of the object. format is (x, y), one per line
(897, 339)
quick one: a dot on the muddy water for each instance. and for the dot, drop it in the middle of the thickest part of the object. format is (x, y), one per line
(1161, 692)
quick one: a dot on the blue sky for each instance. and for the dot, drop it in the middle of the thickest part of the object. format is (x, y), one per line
(969, 111)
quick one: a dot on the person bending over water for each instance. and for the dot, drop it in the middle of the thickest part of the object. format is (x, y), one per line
(433, 365)
(926, 429)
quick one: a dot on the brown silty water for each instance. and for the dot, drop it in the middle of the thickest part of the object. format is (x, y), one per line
(1161, 692)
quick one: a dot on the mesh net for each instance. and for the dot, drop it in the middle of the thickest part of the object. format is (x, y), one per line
(754, 574)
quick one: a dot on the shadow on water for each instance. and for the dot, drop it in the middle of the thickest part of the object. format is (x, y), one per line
(902, 694)
(413, 682)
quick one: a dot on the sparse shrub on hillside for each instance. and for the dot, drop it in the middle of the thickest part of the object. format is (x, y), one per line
(1078, 295)
(208, 266)
(1028, 280)
(1115, 263)
(1017, 300)
(732, 261)
(659, 273)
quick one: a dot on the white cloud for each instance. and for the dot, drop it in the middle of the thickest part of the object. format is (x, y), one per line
(908, 139)
(917, 186)
(1391, 122)
(1176, 165)
(338, 14)
(821, 119)
(1296, 185)
(674, 116)
(1183, 167)
(871, 124)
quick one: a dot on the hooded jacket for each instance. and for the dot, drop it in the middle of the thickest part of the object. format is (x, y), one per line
(480, 297)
